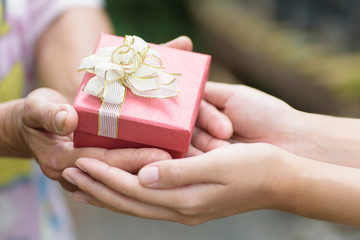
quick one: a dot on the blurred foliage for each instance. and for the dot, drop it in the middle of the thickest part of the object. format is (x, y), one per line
(154, 21)
(335, 22)
(331, 20)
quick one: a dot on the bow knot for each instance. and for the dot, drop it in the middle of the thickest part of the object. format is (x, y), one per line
(133, 65)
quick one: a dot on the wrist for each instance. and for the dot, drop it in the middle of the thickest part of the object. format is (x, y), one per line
(317, 190)
(305, 135)
(281, 181)
(273, 169)
(324, 138)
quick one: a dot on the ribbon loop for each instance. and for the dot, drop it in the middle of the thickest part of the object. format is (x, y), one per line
(134, 65)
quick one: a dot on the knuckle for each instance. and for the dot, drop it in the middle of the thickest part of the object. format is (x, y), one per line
(49, 168)
(186, 211)
(136, 154)
(52, 174)
(105, 157)
(129, 160)
(128, 189)
(190, 207)
(54, 165)
(27, 111)
(207, 142)
(212, 119)
(108, 172)
(119, 203)
(175, 174)
(121, 206)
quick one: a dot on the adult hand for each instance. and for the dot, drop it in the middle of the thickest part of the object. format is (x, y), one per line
(46, 128)
(222, 182)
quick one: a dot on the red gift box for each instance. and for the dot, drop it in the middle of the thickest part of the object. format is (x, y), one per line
(148, 122)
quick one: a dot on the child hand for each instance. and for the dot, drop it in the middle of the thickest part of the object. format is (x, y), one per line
(255, 116)
(226, 181)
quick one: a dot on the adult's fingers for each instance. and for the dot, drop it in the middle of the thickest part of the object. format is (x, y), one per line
(183, 43)
(128, 159)
(67, 186)
(48, 110)
(213, 121)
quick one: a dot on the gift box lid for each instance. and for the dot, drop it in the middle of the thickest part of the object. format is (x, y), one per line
(164, 123)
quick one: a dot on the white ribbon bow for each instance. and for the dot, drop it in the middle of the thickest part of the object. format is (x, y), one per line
(133, 65)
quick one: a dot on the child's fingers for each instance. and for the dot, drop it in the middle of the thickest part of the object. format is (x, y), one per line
(179, 172)
(218, 94)
(213, 121)
(100, 195)
(204, 142)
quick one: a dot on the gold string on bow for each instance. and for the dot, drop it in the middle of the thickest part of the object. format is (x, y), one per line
(133, 65)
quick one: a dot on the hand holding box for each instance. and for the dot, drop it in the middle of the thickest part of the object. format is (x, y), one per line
(157, 112)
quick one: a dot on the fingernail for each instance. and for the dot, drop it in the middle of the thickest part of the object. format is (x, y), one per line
(149, 175)
(60, 120)
(69, 179)
(80, 197)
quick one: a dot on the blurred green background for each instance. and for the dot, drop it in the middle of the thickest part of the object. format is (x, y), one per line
(155, 21)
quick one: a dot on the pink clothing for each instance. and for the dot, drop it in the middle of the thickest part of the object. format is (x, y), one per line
(31, 205)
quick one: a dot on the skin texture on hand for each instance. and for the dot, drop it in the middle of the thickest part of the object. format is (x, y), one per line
(46, 129)
(76, 31)
(240, 177)
(255, 116)
(259, 117)
(41, 125)
(223, 182)
(190, 191)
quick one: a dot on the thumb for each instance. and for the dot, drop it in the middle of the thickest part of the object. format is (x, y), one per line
(48, 110)
(176, 173)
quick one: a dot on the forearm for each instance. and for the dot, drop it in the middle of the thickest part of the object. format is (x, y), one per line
(11, 141)
(325, 138)
(320, 190)
(61, 47)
